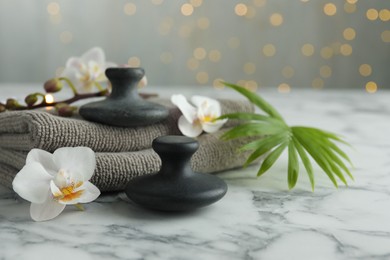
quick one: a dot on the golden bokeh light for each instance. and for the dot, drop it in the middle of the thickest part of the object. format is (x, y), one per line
(330, 9)
(187, 9)
(129, 8)
(372, 14)
(371, 87)
(199, 53)
(214, 55)
(384, 15)
(241, 9)
(202, 77)
(276, 19)
(166, 57)
(49, 98)
(288, 72)
(66, 37)
(217, 83)
(192, 64)
(134, 62)
(249, 68)
(385, 35)
(284, 88)
(251, 85)
(196, 3)
(269, 50)
(317, 83)
(365, 70)
(352, 1)
(307, 49)
(346, 49)
(203, 23)
(53, 8)
(325, 71)
(326, 52)
(349, 34)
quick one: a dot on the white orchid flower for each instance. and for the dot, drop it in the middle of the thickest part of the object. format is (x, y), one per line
(198, 117)
(52, 181)
(87, 71)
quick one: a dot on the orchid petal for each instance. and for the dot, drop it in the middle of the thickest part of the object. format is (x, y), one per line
(76, 160)
(212, 127)
(143, 82)
(213, 104)
(55, 191)
(44, 158)
(32, 183)
(75, 63)
(95, 54)
(188, 111)
(189, 129)
(49, 209)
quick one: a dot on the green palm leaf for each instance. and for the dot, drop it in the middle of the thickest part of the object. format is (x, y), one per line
(271, 159)
(256, 100)
(275, 136)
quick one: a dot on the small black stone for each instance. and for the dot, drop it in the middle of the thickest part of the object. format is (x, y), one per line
(175, 187)
(124, 107)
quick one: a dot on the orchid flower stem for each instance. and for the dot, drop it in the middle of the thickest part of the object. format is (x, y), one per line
(75, 98)
(79, 207)
(99, 87)
(70, 84)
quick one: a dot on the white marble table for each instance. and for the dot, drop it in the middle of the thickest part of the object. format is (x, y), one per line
(259, 218)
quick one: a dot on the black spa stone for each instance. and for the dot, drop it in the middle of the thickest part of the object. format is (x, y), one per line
(176, 187)
(124, 107)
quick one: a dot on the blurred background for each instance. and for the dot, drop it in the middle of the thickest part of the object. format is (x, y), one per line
(284, 44)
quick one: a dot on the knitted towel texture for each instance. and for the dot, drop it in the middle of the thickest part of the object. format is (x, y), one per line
(121, 153)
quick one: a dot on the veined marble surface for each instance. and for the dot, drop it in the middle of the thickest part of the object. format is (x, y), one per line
(259, 218)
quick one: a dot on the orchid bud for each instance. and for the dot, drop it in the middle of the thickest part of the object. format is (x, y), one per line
(65, 110)
(11, 104)
(53, 85)
(31, 99)
(2, 108)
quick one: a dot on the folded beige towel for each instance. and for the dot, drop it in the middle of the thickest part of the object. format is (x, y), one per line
(24, 130)
(114, 170)
(121, 153)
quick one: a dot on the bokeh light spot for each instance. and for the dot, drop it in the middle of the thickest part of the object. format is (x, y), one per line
(284, 88)
(330, 9)
(187, 9)
(276, 19)
(269, 50)
(129, 8)
(199, 53)
(349, 34)
(240, 9)
(371, 87)
(365, 70)
(134, 62)
(372, 14)
(307, 49)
